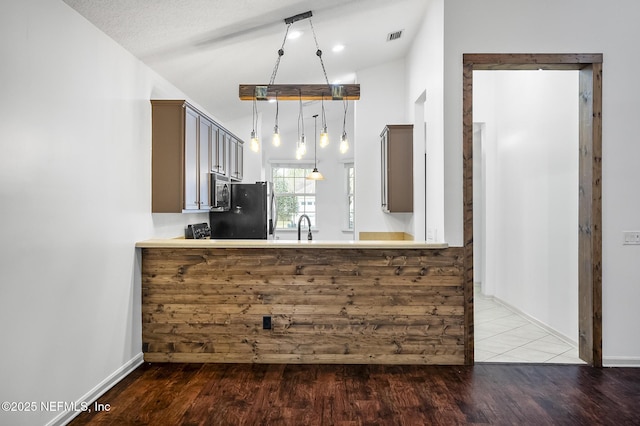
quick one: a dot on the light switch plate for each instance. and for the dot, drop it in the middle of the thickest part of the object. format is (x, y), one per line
(631, 238)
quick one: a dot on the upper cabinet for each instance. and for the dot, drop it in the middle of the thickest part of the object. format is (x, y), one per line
(220, 152)
(396, 142)
(230, 150)
(236, 149)
(187, 147)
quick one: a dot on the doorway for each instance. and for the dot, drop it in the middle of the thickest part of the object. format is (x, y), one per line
(590, 191)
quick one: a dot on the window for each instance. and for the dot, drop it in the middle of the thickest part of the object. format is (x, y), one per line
(350, 177)
(295, 195)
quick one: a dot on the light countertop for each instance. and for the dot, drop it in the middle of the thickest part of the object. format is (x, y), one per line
(338, 244)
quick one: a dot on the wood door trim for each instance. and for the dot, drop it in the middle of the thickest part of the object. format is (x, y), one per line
(590, 186)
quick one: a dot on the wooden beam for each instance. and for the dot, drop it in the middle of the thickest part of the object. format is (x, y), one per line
(590, 217)
(467, 191)
(295, 92)
(518, 61)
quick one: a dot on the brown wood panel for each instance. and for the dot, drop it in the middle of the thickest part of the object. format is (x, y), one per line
(295, 92)
(385, 236)
(467, 205)
(326, 305)
(438, 326)
(531, 61)
(596, 214)
(590, 216)
(167, 128)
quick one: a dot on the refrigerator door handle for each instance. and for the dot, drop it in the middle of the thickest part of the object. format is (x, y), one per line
(274, 214)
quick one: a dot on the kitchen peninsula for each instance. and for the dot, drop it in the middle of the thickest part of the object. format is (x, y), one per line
(277, 301)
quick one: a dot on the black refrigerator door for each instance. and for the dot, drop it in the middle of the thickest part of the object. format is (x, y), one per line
(247, 218)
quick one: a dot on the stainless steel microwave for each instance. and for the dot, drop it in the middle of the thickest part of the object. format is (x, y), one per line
(220, 193)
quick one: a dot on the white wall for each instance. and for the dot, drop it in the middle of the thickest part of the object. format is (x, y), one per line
(382, 102)
(75, 196)
(424, 68)
(583, 26)
(531, 192)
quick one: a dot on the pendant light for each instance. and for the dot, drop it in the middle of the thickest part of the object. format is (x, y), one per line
(291, 92)
(315, 174)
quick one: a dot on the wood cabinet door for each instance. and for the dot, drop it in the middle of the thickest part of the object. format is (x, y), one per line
(384, 155)
(397, 168)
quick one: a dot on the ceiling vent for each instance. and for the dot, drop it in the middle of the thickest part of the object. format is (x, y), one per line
(394, 35)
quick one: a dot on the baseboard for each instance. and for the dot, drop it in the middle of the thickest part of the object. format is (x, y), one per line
(95, 393)
(620, 361)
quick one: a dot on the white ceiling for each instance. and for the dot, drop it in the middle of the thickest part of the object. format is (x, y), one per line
(208, 47)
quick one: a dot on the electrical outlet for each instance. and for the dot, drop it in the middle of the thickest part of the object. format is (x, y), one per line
(266, 323)
(631, 238)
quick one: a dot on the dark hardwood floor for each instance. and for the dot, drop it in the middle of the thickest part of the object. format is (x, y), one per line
(258, 394)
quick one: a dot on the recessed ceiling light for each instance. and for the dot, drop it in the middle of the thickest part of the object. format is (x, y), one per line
(338, 48)
(294, 35)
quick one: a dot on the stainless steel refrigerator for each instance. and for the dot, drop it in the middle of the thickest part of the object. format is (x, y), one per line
(251, 216)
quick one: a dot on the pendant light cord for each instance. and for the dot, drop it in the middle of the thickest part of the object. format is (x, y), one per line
(300, 119)
(344, 119)
(315, 142)
(280, 54)
(319, 52)
(324, 118)
(277, 109)
(255, 115)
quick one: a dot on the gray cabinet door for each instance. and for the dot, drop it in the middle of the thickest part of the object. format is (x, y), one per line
(191, 201)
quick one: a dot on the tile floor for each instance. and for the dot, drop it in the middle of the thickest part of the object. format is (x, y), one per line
(502, 335)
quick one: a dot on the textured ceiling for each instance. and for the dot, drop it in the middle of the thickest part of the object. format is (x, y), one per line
(208, 47)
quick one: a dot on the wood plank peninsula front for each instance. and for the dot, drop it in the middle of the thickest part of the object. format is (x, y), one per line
(344, 302)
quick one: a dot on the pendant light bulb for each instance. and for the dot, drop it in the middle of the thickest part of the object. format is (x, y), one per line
(255, 142)
(303, 146)
(344, 143)
(276, 137)
(324, 137)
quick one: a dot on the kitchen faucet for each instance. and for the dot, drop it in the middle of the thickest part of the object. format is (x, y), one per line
(309, 236)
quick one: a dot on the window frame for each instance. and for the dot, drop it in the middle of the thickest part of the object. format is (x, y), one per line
(307, 166)
(348, 223)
